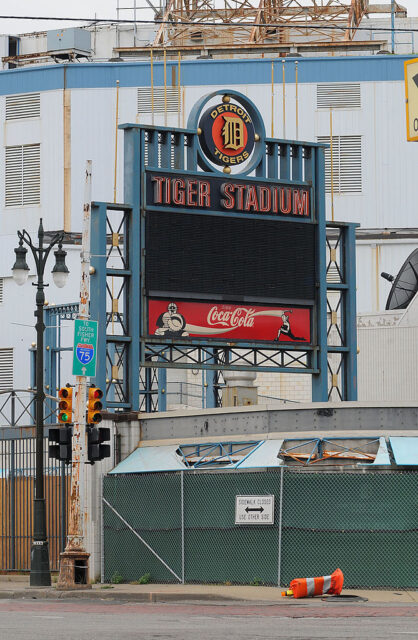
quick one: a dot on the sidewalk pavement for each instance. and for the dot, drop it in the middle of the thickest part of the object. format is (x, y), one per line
(15, 586)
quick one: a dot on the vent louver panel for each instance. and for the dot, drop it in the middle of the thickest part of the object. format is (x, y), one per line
(1, 290)
(338, 96)
(23, 175)
(346, 164)
(144, 100)
(25, 106)
(6, 369)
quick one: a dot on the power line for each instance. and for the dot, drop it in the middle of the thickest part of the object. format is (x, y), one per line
(215, 24)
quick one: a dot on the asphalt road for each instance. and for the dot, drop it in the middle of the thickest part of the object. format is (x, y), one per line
(113, 620)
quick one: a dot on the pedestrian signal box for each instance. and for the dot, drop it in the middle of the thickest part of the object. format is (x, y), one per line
(94, 405)
(59, 441)
(65, 406)
(96, 437)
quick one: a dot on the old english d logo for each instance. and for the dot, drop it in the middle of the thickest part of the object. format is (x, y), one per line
(233, 133)
(227, 136)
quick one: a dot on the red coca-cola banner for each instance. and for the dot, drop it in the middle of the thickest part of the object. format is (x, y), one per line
(174, 319)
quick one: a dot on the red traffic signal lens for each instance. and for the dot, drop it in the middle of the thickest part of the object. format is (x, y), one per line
(63, 393)
(94, 406)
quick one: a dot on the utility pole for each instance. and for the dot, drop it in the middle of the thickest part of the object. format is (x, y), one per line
(74, 560)
(392, 24)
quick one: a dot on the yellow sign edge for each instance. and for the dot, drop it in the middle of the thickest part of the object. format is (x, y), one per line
(405, 64)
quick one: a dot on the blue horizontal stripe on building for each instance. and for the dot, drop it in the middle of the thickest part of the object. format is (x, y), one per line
(204, 72)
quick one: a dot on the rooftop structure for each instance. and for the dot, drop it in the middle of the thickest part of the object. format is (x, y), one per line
(221, 28)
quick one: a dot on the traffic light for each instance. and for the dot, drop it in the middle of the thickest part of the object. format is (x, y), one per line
(59, 441)
(96, 450)
(94, 406)
(65, 406)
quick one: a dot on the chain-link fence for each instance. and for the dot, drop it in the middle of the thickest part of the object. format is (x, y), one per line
(181, 527)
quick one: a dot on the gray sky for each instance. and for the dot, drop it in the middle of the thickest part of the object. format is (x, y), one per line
(88, 9)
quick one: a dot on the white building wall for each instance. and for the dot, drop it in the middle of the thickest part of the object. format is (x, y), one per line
(46, 131)
(387, 360)
(388, 350)
(373, 257)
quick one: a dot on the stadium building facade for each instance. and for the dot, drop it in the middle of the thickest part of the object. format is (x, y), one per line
(55, 117)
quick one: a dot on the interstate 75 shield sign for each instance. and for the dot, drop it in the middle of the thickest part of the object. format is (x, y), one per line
(85, 348)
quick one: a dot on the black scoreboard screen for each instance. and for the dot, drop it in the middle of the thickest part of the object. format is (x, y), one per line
(223, 257)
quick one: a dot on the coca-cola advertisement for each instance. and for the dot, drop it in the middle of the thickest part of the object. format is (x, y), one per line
(213, 320)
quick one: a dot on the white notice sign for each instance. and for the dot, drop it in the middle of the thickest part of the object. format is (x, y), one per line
(254, 509)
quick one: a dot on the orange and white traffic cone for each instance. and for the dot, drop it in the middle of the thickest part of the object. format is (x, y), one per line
(305, 587)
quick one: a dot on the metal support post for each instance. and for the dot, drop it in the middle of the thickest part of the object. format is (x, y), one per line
(182, 526)
(162, 389)
(32, 356)
(210, 389)
(320, 381)
(134, 164)
(350, 328)
(148, 390)
(279, 549)
(50, 357)
(98, 302)
(74, 560)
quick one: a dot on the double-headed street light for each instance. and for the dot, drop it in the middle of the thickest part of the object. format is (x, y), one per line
(40, 575)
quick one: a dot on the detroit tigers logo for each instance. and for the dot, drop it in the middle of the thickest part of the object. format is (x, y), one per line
(227, 134)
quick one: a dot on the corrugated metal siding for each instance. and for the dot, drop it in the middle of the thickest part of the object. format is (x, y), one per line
(387, 364)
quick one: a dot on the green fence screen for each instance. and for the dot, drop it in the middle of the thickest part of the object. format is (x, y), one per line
(180, 527)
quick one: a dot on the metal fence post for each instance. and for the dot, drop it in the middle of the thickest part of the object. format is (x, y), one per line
(63, 507)
(12, 491)
(182, 526)
(279, 550)
(101, 531)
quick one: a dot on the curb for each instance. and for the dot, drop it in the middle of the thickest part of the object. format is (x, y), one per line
(51, 593)
(88, 594)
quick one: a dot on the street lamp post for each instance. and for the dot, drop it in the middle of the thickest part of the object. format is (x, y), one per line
(40, 575)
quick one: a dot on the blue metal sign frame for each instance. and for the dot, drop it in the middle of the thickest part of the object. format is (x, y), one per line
(127, 349)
